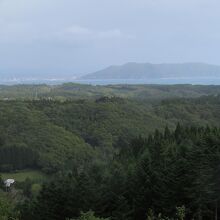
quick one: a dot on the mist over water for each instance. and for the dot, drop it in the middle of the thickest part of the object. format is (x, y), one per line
(163, 81)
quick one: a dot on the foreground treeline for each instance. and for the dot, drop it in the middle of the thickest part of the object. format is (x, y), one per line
(173, 174)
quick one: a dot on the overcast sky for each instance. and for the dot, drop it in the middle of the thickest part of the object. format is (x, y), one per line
(73, 37)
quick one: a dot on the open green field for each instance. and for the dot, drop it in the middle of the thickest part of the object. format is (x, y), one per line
(20, 176)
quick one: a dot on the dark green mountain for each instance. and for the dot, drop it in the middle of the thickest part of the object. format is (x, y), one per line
(155, 71)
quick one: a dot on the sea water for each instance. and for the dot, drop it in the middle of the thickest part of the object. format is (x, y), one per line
(164, 81)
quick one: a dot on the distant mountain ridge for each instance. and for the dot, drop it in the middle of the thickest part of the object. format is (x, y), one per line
(155, 71)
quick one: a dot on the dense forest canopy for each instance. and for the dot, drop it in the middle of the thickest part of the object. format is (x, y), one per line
(113, 152)
(83, 91)
(164, 172)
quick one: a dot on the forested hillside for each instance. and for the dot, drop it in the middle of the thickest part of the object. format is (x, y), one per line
(48, 132)
(80, 91)
(173, 173)
(123, 158)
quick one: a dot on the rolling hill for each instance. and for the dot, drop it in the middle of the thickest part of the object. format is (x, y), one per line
(75, 91)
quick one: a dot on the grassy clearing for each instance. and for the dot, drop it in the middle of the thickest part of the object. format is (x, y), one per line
(20, 176)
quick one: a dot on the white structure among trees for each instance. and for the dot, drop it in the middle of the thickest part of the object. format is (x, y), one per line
(9, 182)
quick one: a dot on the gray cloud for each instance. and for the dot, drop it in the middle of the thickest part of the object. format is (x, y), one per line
(79, 36)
